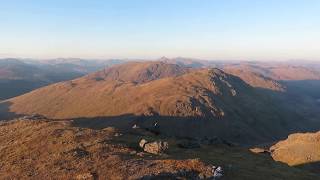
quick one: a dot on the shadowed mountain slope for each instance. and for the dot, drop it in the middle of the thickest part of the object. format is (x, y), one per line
(254, 78)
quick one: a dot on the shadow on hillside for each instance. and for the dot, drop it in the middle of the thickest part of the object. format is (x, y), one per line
(313, 167)
(260, 127)
(301, 96)
(5, 113)
(168, 125)
(310, 88)
(187, 127)
(13, 88)
(291, 115)
(172, 176)
(306, 88)
(296, 90)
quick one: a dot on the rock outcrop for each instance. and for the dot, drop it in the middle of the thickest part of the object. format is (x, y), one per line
(155, 147)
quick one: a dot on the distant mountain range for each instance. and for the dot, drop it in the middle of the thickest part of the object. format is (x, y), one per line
(18, 76)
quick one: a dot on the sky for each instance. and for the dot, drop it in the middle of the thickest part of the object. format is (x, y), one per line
(207, 29)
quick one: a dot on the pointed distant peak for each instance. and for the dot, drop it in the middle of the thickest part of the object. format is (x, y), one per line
(164, 58)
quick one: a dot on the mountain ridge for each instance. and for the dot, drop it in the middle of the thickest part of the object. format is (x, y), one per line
(219, 100)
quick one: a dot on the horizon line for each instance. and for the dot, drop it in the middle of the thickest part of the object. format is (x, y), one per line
(157, 59)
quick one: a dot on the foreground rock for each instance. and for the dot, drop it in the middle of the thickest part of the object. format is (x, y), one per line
(156, 147)
(299, 149)
(33, 117)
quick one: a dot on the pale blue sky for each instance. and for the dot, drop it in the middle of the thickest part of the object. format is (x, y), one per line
(210, 29)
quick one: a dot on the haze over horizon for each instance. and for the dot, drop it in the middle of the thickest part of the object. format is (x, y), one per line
(160, 89)
(233, 30)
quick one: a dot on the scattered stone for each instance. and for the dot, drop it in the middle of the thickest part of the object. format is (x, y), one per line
(117, 134)
(142, 143)
(135, 127)
(33, 117)
(217, 172)
(201, 176)
(110, 129)
(80, 153)
(156, 147)
(233, 92)
(260, 150)
(133, 152)
(86, 176)
(155, 125)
